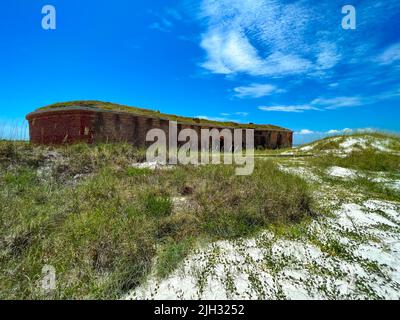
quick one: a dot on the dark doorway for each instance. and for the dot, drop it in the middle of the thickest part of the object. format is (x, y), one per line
(279, 141)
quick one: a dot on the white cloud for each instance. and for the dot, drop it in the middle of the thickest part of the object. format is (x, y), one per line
(323, 103)
(348, 131)
(278, 38)
(231, 52)
(304, 132)
(255, 90)
(240, 37)
(366, 130)
(332, 131)
(338, 102)
(221, 119)
(279, 63)
(241, 113)
(390, 55)
(340, 131)
(327, 57)
(294, 108)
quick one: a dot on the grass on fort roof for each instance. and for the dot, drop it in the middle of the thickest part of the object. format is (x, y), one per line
(156, 113)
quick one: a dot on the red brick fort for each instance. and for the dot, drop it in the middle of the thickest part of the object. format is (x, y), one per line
(94, 122)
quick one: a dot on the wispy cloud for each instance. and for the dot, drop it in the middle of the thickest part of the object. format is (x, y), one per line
(165, 20)
(221, 119)
(255, 90)
(241, 113)
(339, 131)
(226, 116)
(338, 102)
(163, 26)
(306, 135)
(174, 13)
(294, 108)
(230, 52)
(355, 101)
(238, 113)
(264, 37)
(333, 131)
(390, 55)
(279, 39)
(304, 132)
(322, 104)
(327, 56)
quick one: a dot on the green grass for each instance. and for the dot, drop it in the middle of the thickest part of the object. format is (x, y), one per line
(375, 161)
(172, 254)
(157, 205)
(368, 160)
(137, 172)
(101, 222)
(368, 163)
(365, 159)
(363, 185)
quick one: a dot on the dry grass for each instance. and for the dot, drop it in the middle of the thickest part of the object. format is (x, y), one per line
(100, 223)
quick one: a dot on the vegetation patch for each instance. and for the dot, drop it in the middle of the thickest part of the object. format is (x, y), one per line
(101, 223)
(171, 255)
(367, 160)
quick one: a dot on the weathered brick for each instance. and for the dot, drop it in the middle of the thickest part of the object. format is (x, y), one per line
(71, 125)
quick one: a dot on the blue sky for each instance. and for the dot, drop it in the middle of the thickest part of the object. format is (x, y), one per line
(288, 63)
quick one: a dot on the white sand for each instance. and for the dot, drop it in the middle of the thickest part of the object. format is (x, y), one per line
(341, 172)
(268, 267)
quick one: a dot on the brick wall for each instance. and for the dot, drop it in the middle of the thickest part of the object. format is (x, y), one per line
(61, 127)
(83, 125)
